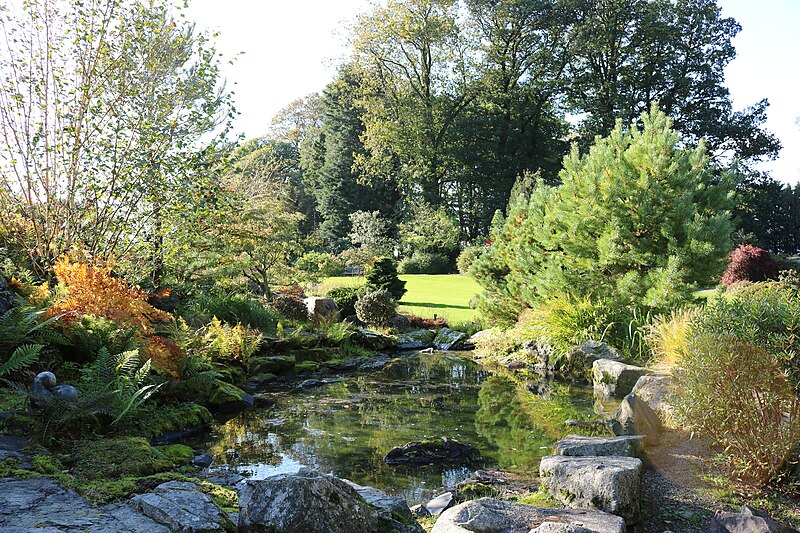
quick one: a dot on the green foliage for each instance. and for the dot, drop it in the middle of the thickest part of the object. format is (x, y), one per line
(376, 307)
(424, 263)
(228, 344)
(345, 298)
(370, 231)
(428, 230)
(590, 237)
(22, 357)
(468, 256)
(91, 334)
(26, 325)
(382, 274)
(232, 309)
(317, 265)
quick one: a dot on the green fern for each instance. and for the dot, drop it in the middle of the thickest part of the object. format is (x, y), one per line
(23, 356)
(24, 325)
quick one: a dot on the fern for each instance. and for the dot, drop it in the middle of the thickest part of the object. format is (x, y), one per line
(24, 325)
(23, 356)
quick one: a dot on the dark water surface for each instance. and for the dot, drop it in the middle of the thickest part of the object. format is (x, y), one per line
(347, 427)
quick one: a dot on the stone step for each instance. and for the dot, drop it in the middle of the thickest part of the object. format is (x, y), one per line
(578, 445)
(610, 484)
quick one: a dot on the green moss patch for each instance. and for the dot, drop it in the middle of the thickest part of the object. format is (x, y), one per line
(117, 458)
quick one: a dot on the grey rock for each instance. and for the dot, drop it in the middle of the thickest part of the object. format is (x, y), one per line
(354, 320)
(420, 511)
(12, 447)
(7, 297)
(610, 484)
(540, 353)
(578, 445)
(448, 339)
(374, 340)
(400, 322)
(559, 527)
(39, 504)
(748, 520)
(656, 391)
(182, 507)
(487, 515)
(437, 505)
(44, 389)
(634, 417)
(579, 359)
(321, 308)
(394, 505)
(309, 502)
(226, 477)
(416, 340)
(203, 460)
(434, 451)
(613, 378)
(315, 383)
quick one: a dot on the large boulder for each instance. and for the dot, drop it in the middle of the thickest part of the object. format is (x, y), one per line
(656, 391)
(577, 445)
(487, 515)
(416, 340)
(613, 378)
(182, 507)
(747, 521)
(321, 308)
(393, 505)
(610, 484)
(309, 502)
(634, 417)
(433, 451)
(373, 340)
(540, 353)
(579, 359)
(276, 364)
(448, 339)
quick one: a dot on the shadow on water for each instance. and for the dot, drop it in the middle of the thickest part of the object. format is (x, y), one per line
(347, 427)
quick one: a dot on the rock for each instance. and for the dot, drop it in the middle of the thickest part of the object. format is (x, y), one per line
(577, 445)
(373, 340)
(540, 353)
(487, 515)
(171, 437)
(202, 460)
(579, 359)
(39, 504)
(479, 338)
(513, 364)
(227, 398)
(610, 484)
(7, 297)
(12, 447)
(355, 321)
(44, 389)
(279, 364)
(226, 477)
(437, 505)
(613, 378)
(393, 505)
(316, 383)
(634, 417)
(182, 507)
(747, 521)
(655, 390)
(420, 511)
(309, 502)
(416, 340)
(374, 364)
(400, 322)
(559, 527)
(256, 383)
(448, 339)
(321, 308)
(434, 451)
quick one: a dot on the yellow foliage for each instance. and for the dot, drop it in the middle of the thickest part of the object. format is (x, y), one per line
(164, 354)
(668, 335)
(88, 288)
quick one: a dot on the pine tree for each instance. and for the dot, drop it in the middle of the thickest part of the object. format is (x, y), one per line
(383, 275)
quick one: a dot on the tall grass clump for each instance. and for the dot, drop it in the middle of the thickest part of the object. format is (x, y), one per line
(667, 335)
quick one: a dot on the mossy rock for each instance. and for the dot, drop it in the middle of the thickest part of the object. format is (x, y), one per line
(306, 366)
(178, 454)
(316, 354)
(117, 458)
(156, 420)
(278, 364)
(233, 374)
(225, 394)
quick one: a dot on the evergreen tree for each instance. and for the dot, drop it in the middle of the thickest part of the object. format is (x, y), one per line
(382, 274)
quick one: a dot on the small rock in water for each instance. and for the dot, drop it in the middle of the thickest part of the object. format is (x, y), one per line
(202, 460)
(314, 383)
(434, 451)
(438, 505)
(420, 511)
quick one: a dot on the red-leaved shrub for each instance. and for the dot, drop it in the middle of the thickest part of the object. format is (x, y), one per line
(749, 263)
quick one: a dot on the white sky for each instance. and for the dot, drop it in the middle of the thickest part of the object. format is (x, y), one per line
(289, 49)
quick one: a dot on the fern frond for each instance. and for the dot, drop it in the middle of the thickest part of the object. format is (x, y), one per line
(22, 357)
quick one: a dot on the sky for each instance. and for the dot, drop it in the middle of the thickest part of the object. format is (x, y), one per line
(286, 49)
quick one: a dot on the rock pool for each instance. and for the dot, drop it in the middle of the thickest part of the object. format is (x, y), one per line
(346, 428)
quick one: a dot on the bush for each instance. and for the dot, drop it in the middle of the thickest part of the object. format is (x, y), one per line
(382, 274)
(376, 307)
(748, 263)
(320, 265)
(424, 263)
(345, 298)
(417, 322)
(232, 309)
(290, 308)
(668, 335)
(468, 256)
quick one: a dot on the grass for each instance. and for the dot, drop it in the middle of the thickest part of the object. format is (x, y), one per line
(445, 296)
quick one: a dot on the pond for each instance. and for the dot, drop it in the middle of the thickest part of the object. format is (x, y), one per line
(346, 428)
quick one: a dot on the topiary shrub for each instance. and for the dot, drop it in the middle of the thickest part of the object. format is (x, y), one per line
(749, 263)
(468, 256)
(382, 274)
(424, 263)
(345, 298)
(376, 307)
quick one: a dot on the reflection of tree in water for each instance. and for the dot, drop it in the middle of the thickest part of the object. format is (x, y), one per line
(520, 425)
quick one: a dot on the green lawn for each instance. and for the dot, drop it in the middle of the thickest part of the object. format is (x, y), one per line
(446, 296)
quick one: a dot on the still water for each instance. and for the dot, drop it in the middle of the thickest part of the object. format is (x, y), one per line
(346, 428)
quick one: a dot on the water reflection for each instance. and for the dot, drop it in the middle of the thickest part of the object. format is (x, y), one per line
(347, 427)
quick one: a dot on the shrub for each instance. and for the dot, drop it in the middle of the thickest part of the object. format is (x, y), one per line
(90, 289)
(468, 256)
(376, 307)
(320, 265)
(164, 354)
(345, 298)
(668, 335)
(233, 309)
(382, 274)
(417, 322)
(424, 263)
(749, 263)
(290, 308)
